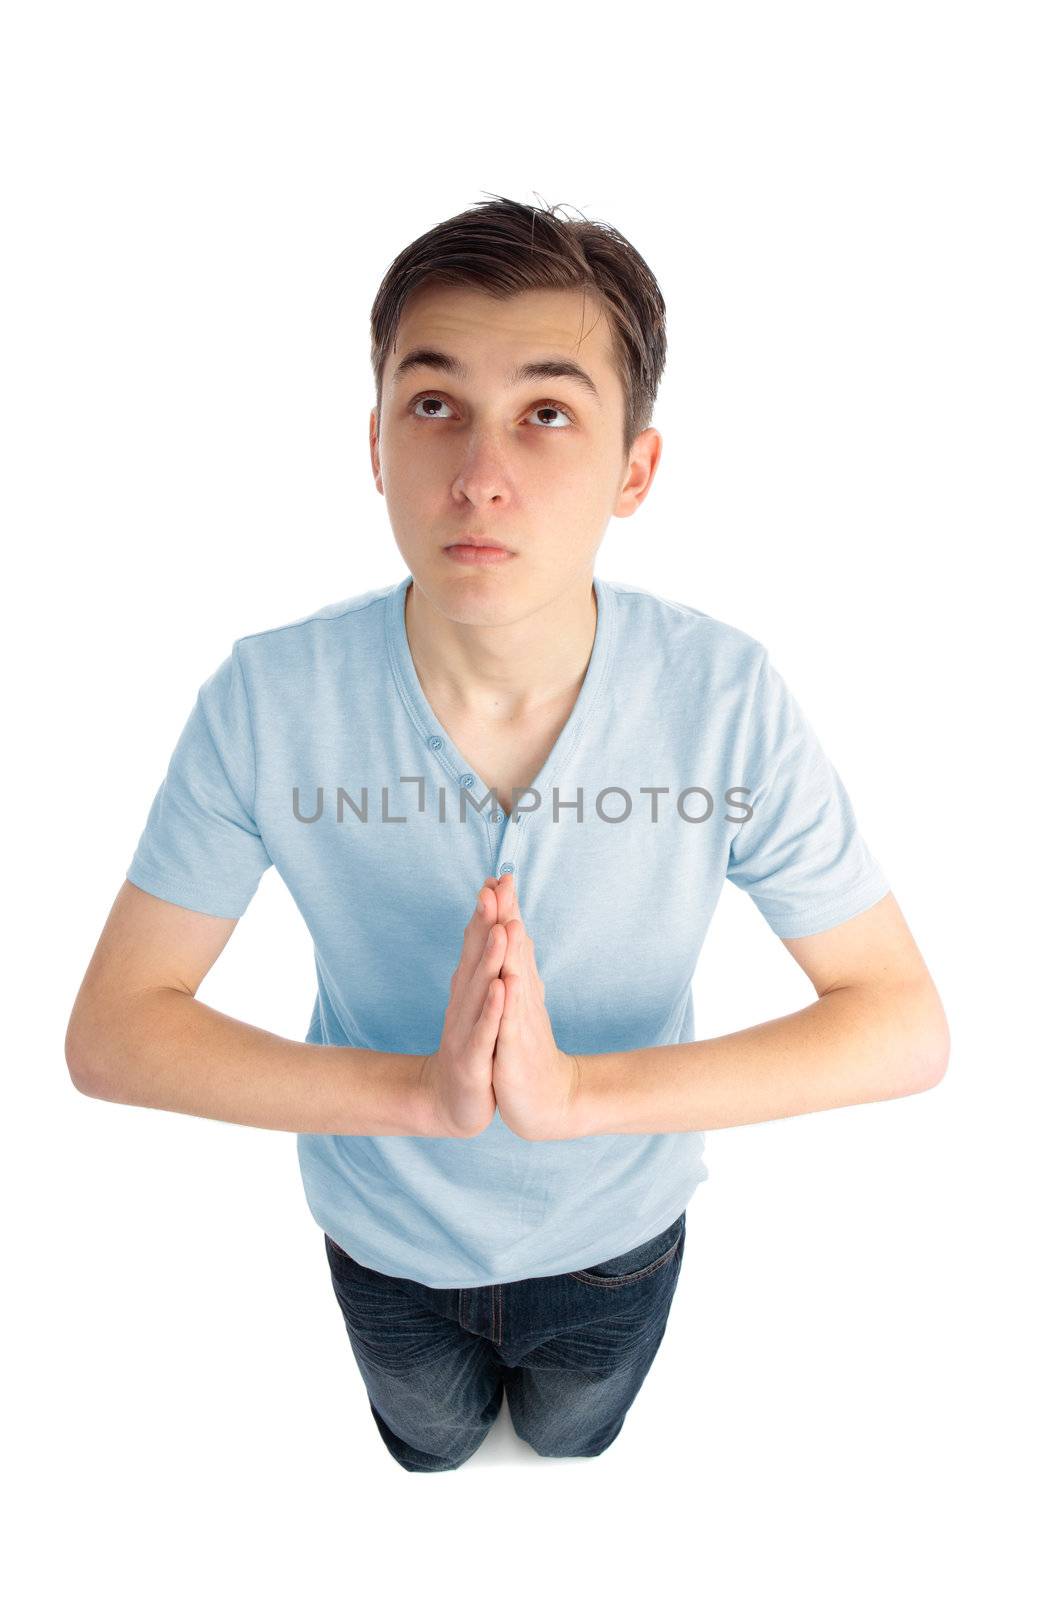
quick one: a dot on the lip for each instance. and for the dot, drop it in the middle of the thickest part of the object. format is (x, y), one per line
(478, 555)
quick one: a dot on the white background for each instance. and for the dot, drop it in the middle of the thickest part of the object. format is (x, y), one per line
(199, 202)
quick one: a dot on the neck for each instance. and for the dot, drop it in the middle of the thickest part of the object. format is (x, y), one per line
(506, 670)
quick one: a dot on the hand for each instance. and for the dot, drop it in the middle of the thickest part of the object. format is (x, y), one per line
(455, 1082)
(535, 1083)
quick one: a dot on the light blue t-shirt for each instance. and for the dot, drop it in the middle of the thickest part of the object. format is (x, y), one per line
(312, 747)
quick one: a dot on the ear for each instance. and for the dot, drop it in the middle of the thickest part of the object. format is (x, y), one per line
(376, 465)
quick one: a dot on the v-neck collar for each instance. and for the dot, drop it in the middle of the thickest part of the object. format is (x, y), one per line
(438, 741)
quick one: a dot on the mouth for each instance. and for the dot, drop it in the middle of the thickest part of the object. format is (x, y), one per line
(478, 555)
(478, 544)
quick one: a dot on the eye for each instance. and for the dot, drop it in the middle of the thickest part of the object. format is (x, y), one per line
(542, 405)
(427, 400)
(553, 405)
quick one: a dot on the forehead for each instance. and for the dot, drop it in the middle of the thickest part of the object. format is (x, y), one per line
(482, 330)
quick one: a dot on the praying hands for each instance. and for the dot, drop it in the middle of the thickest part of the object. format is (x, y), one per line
(497, 1049)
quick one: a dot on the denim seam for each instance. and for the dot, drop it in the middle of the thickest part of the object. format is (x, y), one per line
(628, 1277)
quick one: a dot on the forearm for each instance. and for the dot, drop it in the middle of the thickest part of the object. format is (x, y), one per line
(850, 1047)
(170, 1051)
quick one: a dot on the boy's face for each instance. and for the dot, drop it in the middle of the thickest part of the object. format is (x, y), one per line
(462, 454)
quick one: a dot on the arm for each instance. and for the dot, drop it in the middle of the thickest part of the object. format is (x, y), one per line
(877, 1031)
(139, 1036)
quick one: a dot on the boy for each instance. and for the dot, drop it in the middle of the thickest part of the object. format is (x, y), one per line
(505, 795)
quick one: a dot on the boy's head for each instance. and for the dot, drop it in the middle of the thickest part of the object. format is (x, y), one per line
(539, 465)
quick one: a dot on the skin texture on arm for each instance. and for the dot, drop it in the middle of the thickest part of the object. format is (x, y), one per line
(877, 1031)
(137, 1035)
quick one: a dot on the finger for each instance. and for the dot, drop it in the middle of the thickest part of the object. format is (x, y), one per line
(514, 956)
(535, 983)
(508, 1021)
(483, 918)
(484, 1034)
(498, 901)
(507, 899)
(486, 898)
(486, 968)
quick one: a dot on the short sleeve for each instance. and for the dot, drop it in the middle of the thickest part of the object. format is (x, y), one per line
(201, 847)
(801, 856)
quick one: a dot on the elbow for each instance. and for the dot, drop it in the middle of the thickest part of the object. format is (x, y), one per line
(934, 1047)
(919, 1039)
(939, 1056)
(81, 1057)
(75, 1058)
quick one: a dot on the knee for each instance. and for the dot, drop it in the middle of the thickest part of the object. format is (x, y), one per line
(556, 1450)
(569, 1454)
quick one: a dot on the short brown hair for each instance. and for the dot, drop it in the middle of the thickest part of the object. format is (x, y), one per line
(502, 247)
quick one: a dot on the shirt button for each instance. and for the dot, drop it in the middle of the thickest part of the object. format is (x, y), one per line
(495, 816)
(434, 741)
(466, 780)
(506, 866)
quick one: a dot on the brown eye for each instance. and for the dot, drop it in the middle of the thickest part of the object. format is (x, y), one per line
(560, 411)
(428, 400)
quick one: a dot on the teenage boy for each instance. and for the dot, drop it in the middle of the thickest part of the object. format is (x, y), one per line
(505, 795)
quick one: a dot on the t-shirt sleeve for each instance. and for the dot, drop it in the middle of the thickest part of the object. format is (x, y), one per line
(201, 847)
(801, 855)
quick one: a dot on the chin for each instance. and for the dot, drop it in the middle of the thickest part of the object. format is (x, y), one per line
(472, 594)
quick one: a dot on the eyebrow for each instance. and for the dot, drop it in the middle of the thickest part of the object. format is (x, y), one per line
(440, 361)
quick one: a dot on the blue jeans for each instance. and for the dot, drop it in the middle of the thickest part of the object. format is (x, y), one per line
(571, 1351)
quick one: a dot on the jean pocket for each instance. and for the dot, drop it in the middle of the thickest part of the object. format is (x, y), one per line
(641, 1262)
